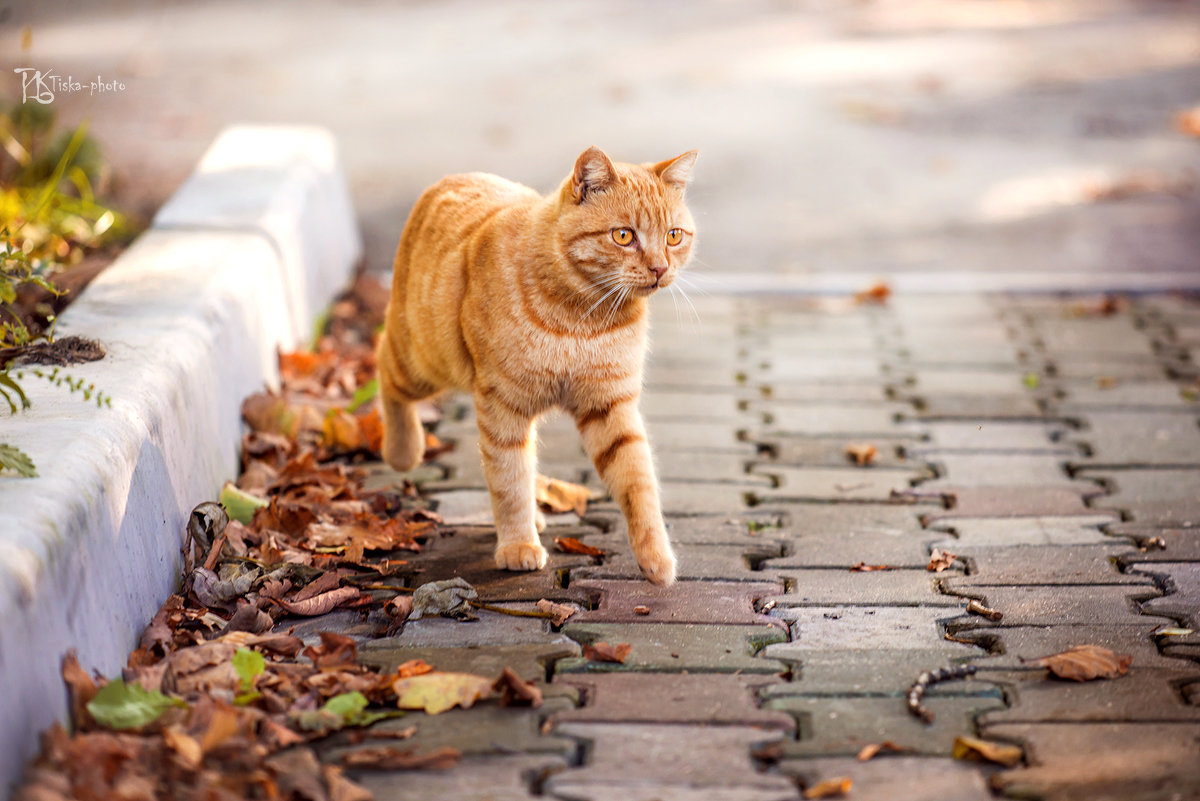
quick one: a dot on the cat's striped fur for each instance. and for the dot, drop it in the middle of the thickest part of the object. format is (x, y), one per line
(532, 302)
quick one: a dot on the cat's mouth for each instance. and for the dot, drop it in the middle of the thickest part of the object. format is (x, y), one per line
(648, 289)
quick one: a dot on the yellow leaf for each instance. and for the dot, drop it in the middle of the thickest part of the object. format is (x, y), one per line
(830, 788)
(436, 692)
(972, 748)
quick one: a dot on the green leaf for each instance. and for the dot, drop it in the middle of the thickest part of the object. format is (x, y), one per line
(351, 708)
(243, 699)
(1032, 380)
(7, 381)
(364, 395)
(127, 706)
(13, 458)
(239, 504)
(249, 665)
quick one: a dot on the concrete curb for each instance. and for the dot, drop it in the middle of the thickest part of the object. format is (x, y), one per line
(238, 263)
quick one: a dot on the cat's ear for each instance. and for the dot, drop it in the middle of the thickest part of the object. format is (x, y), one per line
(676, 172)
(594, 172)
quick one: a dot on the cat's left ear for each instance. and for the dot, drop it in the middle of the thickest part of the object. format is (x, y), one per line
(677, 172)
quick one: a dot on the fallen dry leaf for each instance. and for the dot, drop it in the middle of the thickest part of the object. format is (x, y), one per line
(874, 749)
(386, 757)
(558, 496)
(830, 788)
(877, 294)
(320, 604)
(437, 692)
(1083, 663)
(560, 612)
(861, 453)
(940, 560)
(335, 651)
(641, 610)
(976, 608)
(974, 749)
(572, 545)
(515, 691)
(863, 567)
(603, 652)
(186, 747)
(413, 667)
(80, 688)
(1188, 121)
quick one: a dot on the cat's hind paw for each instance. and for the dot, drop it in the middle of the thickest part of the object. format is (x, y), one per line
(521, 556)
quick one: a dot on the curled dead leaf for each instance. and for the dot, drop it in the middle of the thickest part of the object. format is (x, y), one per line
(861, 453)
(386, 757)
(976, 608)
(515, 691)
(1084, 663)
(572, 545)
(974, 749)
(603, 652)
(560, 612)
(863, 567)
(830, 788)
(335, 651)
(558, 496)
(940, 560)
(81, 689)
(641, 610)
(320, 604)
(886, 747)
(876, 294)
(413, 667)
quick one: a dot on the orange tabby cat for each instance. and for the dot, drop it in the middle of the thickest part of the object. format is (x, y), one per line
(533, 302)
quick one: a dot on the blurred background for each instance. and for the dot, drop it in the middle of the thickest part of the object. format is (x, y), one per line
(846, 137)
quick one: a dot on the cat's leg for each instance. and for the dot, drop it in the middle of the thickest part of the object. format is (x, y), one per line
(403, 435)
(615, 439)
(508, 445)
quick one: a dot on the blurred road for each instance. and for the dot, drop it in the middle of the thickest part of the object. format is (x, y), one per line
(836, 136)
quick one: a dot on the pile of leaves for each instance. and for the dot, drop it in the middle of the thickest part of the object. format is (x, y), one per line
(220, 701)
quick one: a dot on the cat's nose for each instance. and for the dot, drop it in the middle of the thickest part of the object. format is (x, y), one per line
(658, 271)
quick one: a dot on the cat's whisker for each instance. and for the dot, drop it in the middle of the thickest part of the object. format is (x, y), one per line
(689, 303)
(675, 303)
(612, 290)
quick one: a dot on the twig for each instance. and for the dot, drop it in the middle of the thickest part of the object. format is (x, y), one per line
(916, 693)
(979, 609)
(514, 612)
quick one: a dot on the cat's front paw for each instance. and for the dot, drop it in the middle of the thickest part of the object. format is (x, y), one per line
(658, 564)
(521, 556)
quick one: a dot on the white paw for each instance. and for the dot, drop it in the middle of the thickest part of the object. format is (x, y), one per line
(658, 564)
(521, 556)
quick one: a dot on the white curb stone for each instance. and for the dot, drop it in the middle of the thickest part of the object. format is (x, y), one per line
(238, 263)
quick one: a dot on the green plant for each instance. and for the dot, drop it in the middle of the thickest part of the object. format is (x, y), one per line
(51, 221)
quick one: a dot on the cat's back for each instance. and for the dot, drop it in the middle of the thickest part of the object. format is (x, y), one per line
(456, 206)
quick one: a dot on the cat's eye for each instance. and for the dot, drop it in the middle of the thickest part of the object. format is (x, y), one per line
(622, 236)
(674, 236)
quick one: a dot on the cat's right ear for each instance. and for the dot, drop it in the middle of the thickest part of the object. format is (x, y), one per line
(594, 172)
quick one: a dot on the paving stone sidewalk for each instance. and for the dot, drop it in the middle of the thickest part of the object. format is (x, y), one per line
(1050, 442)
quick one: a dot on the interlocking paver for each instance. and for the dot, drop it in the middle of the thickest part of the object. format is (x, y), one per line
(841, 726)
(1102, 761)
(729, 529)
(710, 467)
(497, 778)
(1001, 436)
(1019, 501)
(983, 532)
(977, 407)
(896, 778)
(1037, 605)
(827, 419)
(1010, 644)
(831, 451)
(1140, 438)
(1142, 694)
(642, 762)
(1155, 544)
(730, 602)
(530, 661)
(878, 485)
(708, 699)
(1155, 396)
(1045, 564)
(1152, 497)
(708, 562)
(872, 588)
(700, 498)
(1182, 600)
(960, 470)
(677, 648)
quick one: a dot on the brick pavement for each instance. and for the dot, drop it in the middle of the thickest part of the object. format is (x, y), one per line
(1049, 442)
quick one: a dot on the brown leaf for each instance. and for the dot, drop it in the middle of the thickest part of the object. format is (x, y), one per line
(298, 774)
(641, 610)
(224, 724)
(413, 667)
(558, 496)
(386, 757)
(561, 612)
(278, 735)
(1188, 121)
(874, 749)
(974, 749)
(186, 747)
(877, 294)
(514, 691)
(603, 652)
(335, 651)
(861, 453)
(284, 645)
(939, 560)
(863, 567)
(320, 604)
(341, 431)
(572, 545)
(1084, 662)
(341, 788)
(81, 689)
(830, 788)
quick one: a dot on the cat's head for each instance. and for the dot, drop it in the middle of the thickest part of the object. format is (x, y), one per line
(626, 226)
